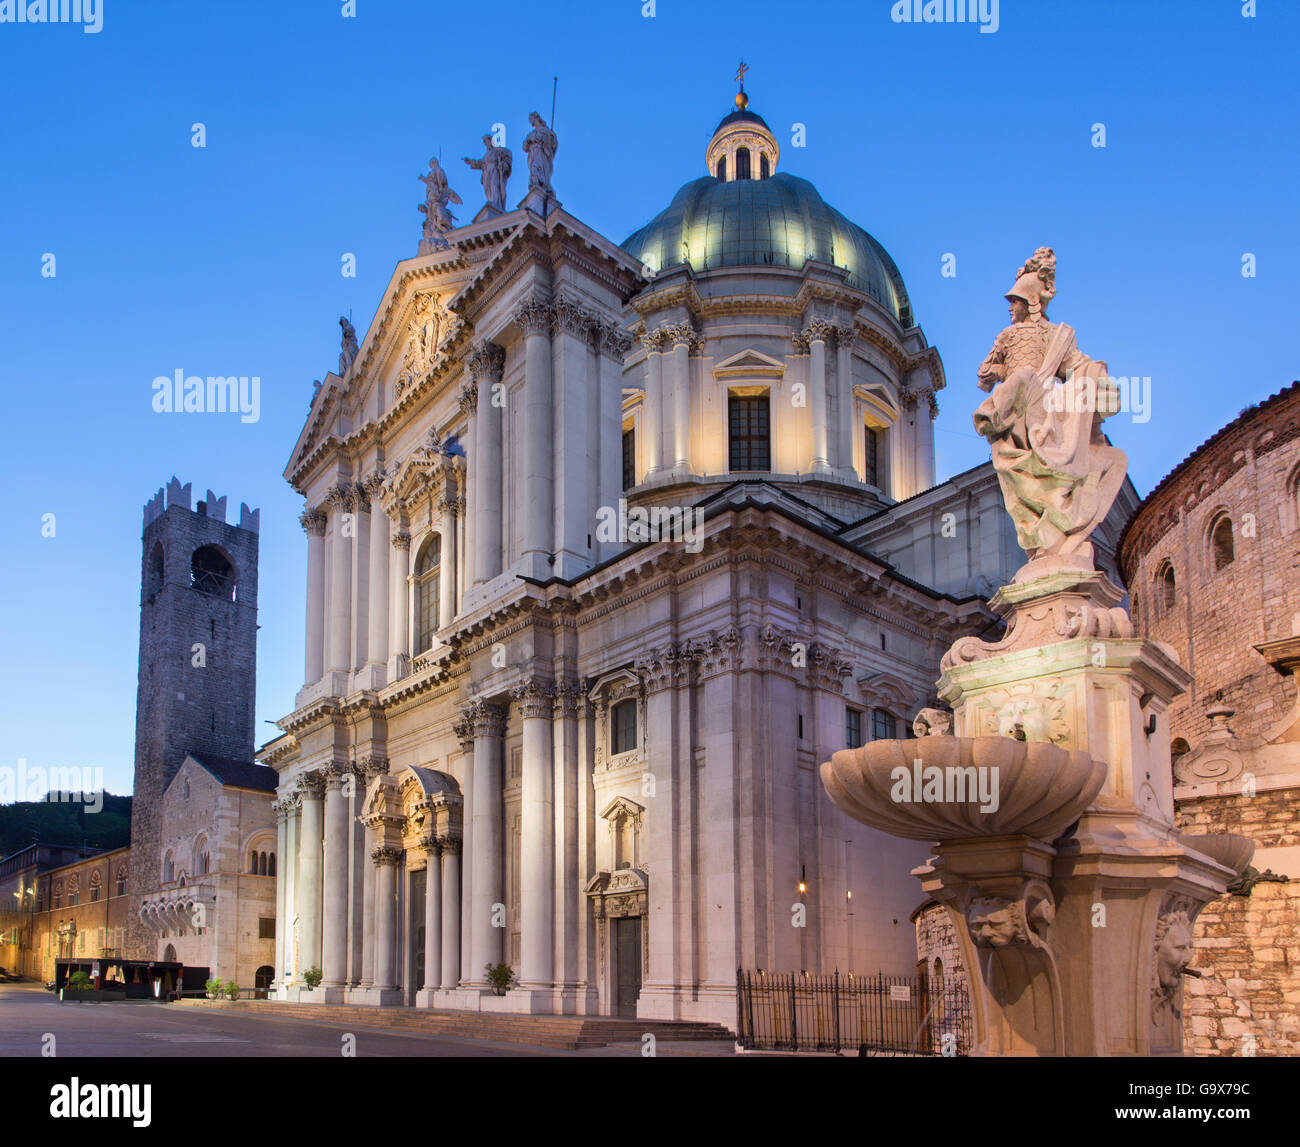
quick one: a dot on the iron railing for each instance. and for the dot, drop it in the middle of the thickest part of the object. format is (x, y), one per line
(873, 1015)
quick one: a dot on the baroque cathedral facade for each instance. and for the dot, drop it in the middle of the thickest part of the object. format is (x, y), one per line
(608, 547)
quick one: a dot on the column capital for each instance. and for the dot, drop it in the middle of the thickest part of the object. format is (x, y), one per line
(336, 775)
(534, 316)
(487, 718)
(340, 497)
(534, 698)
(431, 845)
(382, 854)
(311, 786)
(450, 845)
(463, 728)
(815, 330)
(845, 333)
(401, 540)
(653, 341)
(571, 318)
(469, 399)
(568, 697)
(282, 809)
(486, 362)
(615, 341)
(681, 334)
(313, 522)
(451, 505)
(374, 485)
(370, 767)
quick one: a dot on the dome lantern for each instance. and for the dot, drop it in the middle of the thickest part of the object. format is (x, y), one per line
(743, 146)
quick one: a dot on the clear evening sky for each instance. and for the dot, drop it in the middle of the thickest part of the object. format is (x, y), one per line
(939, 139)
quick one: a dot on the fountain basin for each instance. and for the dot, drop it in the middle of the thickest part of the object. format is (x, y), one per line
(1233, 852)
(962, 788)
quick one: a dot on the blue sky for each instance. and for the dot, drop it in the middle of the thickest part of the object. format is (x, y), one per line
(939, 139)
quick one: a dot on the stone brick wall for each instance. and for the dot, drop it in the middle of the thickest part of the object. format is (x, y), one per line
(1270, 818)
(1249, 471)
(1248, 948)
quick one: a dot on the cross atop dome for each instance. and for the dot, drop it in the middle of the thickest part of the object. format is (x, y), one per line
(743, 146)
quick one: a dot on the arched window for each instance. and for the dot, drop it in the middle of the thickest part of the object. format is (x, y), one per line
(58, 894)
(74, 890)
(875, 458)
(96, 886)
(169, 954)
(270, 865)
(121, 881)
(1221, 543)
(1178, 746)
(764, 169)
(154, 577)
(199, 866)
(1166, 588)
(252, 862)
(722, 168)
(169, 868)
(211, 572)
(427, 569)
(742, 163)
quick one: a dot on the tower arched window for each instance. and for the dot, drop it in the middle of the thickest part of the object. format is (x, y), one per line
(1166, 588)
(722, 168)
(742, 163)
(1221, 548)
(764, 168)
(169, 869)
(427, 571)
(212, 572)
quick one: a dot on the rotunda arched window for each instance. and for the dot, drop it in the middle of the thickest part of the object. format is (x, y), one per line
(1221, 548)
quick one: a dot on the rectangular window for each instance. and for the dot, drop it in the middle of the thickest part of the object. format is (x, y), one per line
(852, 727)
(266, 927)
(629, 459)
(623, 728)
(882, 725)
(748, 432)
(873, 458)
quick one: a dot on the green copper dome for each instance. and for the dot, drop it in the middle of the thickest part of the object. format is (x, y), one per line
(779, 221)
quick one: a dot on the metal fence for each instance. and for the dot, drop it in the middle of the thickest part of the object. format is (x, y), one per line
(874, 1015)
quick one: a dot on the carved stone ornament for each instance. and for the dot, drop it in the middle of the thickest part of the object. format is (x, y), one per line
(486, 363)
(313, 522)
(933, 723)
(385, 854)
(534, 699)
(1172, 953)
(312, 785)
(534, 316)
(1001, 922)
(487, 718)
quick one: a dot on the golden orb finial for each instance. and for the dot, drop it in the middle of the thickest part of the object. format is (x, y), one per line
(742, 100)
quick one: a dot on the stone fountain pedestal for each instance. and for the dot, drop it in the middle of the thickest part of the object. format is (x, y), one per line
(1073, 899)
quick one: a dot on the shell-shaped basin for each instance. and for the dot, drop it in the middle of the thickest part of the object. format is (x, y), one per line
(1232, 851)
(958, 788)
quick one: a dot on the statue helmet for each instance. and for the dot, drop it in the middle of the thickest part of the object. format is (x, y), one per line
(1036, 281)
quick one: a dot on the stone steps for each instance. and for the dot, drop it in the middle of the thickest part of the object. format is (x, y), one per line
(565, 1032)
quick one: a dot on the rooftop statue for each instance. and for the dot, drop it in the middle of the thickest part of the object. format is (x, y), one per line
(348, 353)
(438, 220)
(1043, 418)
(540, 145)
(495, 165)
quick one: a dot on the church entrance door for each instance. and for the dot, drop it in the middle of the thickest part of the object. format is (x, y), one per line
(627, 964)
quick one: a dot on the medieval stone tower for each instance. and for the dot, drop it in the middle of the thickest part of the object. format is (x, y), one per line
(198, 653)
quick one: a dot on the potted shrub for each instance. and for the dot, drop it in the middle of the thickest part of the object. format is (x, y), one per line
(312, 978)
(501, 977)
(232, 989)
(213, 988)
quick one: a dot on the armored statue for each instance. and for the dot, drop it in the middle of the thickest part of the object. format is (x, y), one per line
(495, 165)
(1043, 418)
(438, 220)
(540, 145)
(348, 352)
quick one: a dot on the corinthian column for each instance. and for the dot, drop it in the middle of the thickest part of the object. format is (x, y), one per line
(281, 811)
(652, 416)
(380, 545)
(683, 339)
(816, 334)
(432, 915)
(313, 522)
(386, 860)
(536, 492)
(399, 561)
(340, 545)
(448, 508)
(844, 393)
(486, 863)
(312, 786)
(335, 928)
(360, 604)
(536, 703)
(450, 913)
(487, 363)
(469, 407)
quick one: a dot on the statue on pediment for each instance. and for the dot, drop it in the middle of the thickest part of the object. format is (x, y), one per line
(1043, 419)
(540, 145)
(348, 353)
(438, 219)
(496, 166)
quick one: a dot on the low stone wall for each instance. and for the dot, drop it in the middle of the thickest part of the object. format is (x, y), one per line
(1249, 1001)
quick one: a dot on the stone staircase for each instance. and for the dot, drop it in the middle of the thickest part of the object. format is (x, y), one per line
(569, 1033)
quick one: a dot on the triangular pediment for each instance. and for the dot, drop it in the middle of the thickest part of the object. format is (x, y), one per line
(749, 363)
